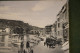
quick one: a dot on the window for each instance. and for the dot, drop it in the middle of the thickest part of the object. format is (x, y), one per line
(66, 15)
(58, 33)
(9, 45)
(9, 36)
(2, 38)
(58, 19)
(58, 24)
(64, 11)
(2, 44)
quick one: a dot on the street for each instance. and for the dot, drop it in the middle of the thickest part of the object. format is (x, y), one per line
(40, 48)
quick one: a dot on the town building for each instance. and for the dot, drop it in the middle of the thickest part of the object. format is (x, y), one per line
(5, 39)
(4, 36)
(42, 32)
(48, 29)
(63, 24)
(16, 38)
(54, 29)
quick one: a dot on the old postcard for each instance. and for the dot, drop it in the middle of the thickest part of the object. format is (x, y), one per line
(34, 26)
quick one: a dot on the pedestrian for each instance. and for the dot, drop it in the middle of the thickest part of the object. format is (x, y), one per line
(44, 43)
(31, 50)
(28, 46)
(24, 51)
(47, 44)
(22, 46)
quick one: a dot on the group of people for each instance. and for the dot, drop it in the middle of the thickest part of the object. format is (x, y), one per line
(52, 42)
(28, 48)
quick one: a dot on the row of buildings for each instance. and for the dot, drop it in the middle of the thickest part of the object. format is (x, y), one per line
(12, 37)
(60, 29)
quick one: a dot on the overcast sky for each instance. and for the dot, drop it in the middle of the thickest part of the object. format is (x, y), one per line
(36, 13)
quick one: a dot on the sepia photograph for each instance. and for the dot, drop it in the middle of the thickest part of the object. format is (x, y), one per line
(34, 26)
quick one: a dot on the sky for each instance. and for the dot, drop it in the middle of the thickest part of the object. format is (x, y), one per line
(36, 13)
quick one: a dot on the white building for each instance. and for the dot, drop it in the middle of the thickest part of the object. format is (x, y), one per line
(16, 38)
(5, 39)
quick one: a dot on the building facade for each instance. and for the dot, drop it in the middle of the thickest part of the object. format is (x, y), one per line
(63, 24)
(54, 29)
(5, 37)
(48, 29)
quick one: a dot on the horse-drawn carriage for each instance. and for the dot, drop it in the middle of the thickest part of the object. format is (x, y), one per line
(50, 42)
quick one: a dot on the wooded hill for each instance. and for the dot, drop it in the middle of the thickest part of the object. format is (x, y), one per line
(16, 25)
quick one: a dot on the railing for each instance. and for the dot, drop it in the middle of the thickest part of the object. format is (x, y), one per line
(4, 33)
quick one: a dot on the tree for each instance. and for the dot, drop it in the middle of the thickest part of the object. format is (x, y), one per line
(27, 27)
(18, 30)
